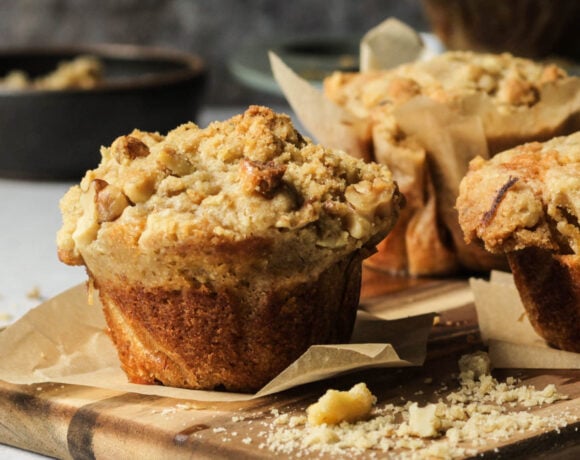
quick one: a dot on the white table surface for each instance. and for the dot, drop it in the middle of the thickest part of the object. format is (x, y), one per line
(29, 268)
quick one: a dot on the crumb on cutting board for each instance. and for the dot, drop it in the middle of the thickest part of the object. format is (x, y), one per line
(34, 293)
(335, 407)
(5, 317)
(481, 410)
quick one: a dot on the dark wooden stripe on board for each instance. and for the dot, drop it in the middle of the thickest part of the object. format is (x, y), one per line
(30, 421)
(87, 420)
(562, 444)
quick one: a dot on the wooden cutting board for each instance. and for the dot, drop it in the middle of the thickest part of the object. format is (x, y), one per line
(68, 421)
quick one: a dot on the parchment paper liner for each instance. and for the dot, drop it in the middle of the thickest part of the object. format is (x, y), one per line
(63, 340)
(451, 135)
(504, 326)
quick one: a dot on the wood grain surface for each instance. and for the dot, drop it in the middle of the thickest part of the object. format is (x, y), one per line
(68, 421)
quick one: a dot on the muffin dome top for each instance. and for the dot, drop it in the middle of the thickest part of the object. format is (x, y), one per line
(526, 196)
(250, 177)
(512, 83)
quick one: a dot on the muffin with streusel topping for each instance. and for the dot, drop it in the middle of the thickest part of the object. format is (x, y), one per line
(221, 254)
(525, 202)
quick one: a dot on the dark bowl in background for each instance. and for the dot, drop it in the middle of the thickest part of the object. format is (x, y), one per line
(57, 134)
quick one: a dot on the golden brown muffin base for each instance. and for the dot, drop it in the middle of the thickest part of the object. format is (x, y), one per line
(549, 286)
(201, 339)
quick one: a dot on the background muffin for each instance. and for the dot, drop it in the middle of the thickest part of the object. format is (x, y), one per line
(221, 254)
(525, 202)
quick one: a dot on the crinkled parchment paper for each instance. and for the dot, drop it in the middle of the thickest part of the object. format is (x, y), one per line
(388, 45)
(64, 340)
(504, 326)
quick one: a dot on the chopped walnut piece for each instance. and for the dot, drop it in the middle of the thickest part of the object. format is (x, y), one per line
(552, 73)
(424, 421)
(127, 148)
(335, 407)
(261, 177)
(178, 164)
(370, 199)
(109, 200)
(518, 92)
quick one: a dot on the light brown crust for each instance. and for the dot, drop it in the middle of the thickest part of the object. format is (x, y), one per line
(202, 339)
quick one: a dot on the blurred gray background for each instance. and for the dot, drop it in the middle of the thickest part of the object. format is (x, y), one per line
(214, 29)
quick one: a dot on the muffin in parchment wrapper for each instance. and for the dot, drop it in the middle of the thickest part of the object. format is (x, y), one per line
(221, 254)
(426, 120)
(525, 202)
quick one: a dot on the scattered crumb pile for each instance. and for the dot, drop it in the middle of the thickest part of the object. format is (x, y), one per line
(481, 411)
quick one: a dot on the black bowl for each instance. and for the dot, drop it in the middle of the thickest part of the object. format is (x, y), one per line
(57, 134)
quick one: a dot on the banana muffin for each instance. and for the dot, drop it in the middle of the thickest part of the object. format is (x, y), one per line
(221, 254)
(525, 202)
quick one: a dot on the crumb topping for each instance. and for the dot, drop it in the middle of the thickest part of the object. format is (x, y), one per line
(253, 177)
(527, 196)
(335, 407)
(510, 82)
